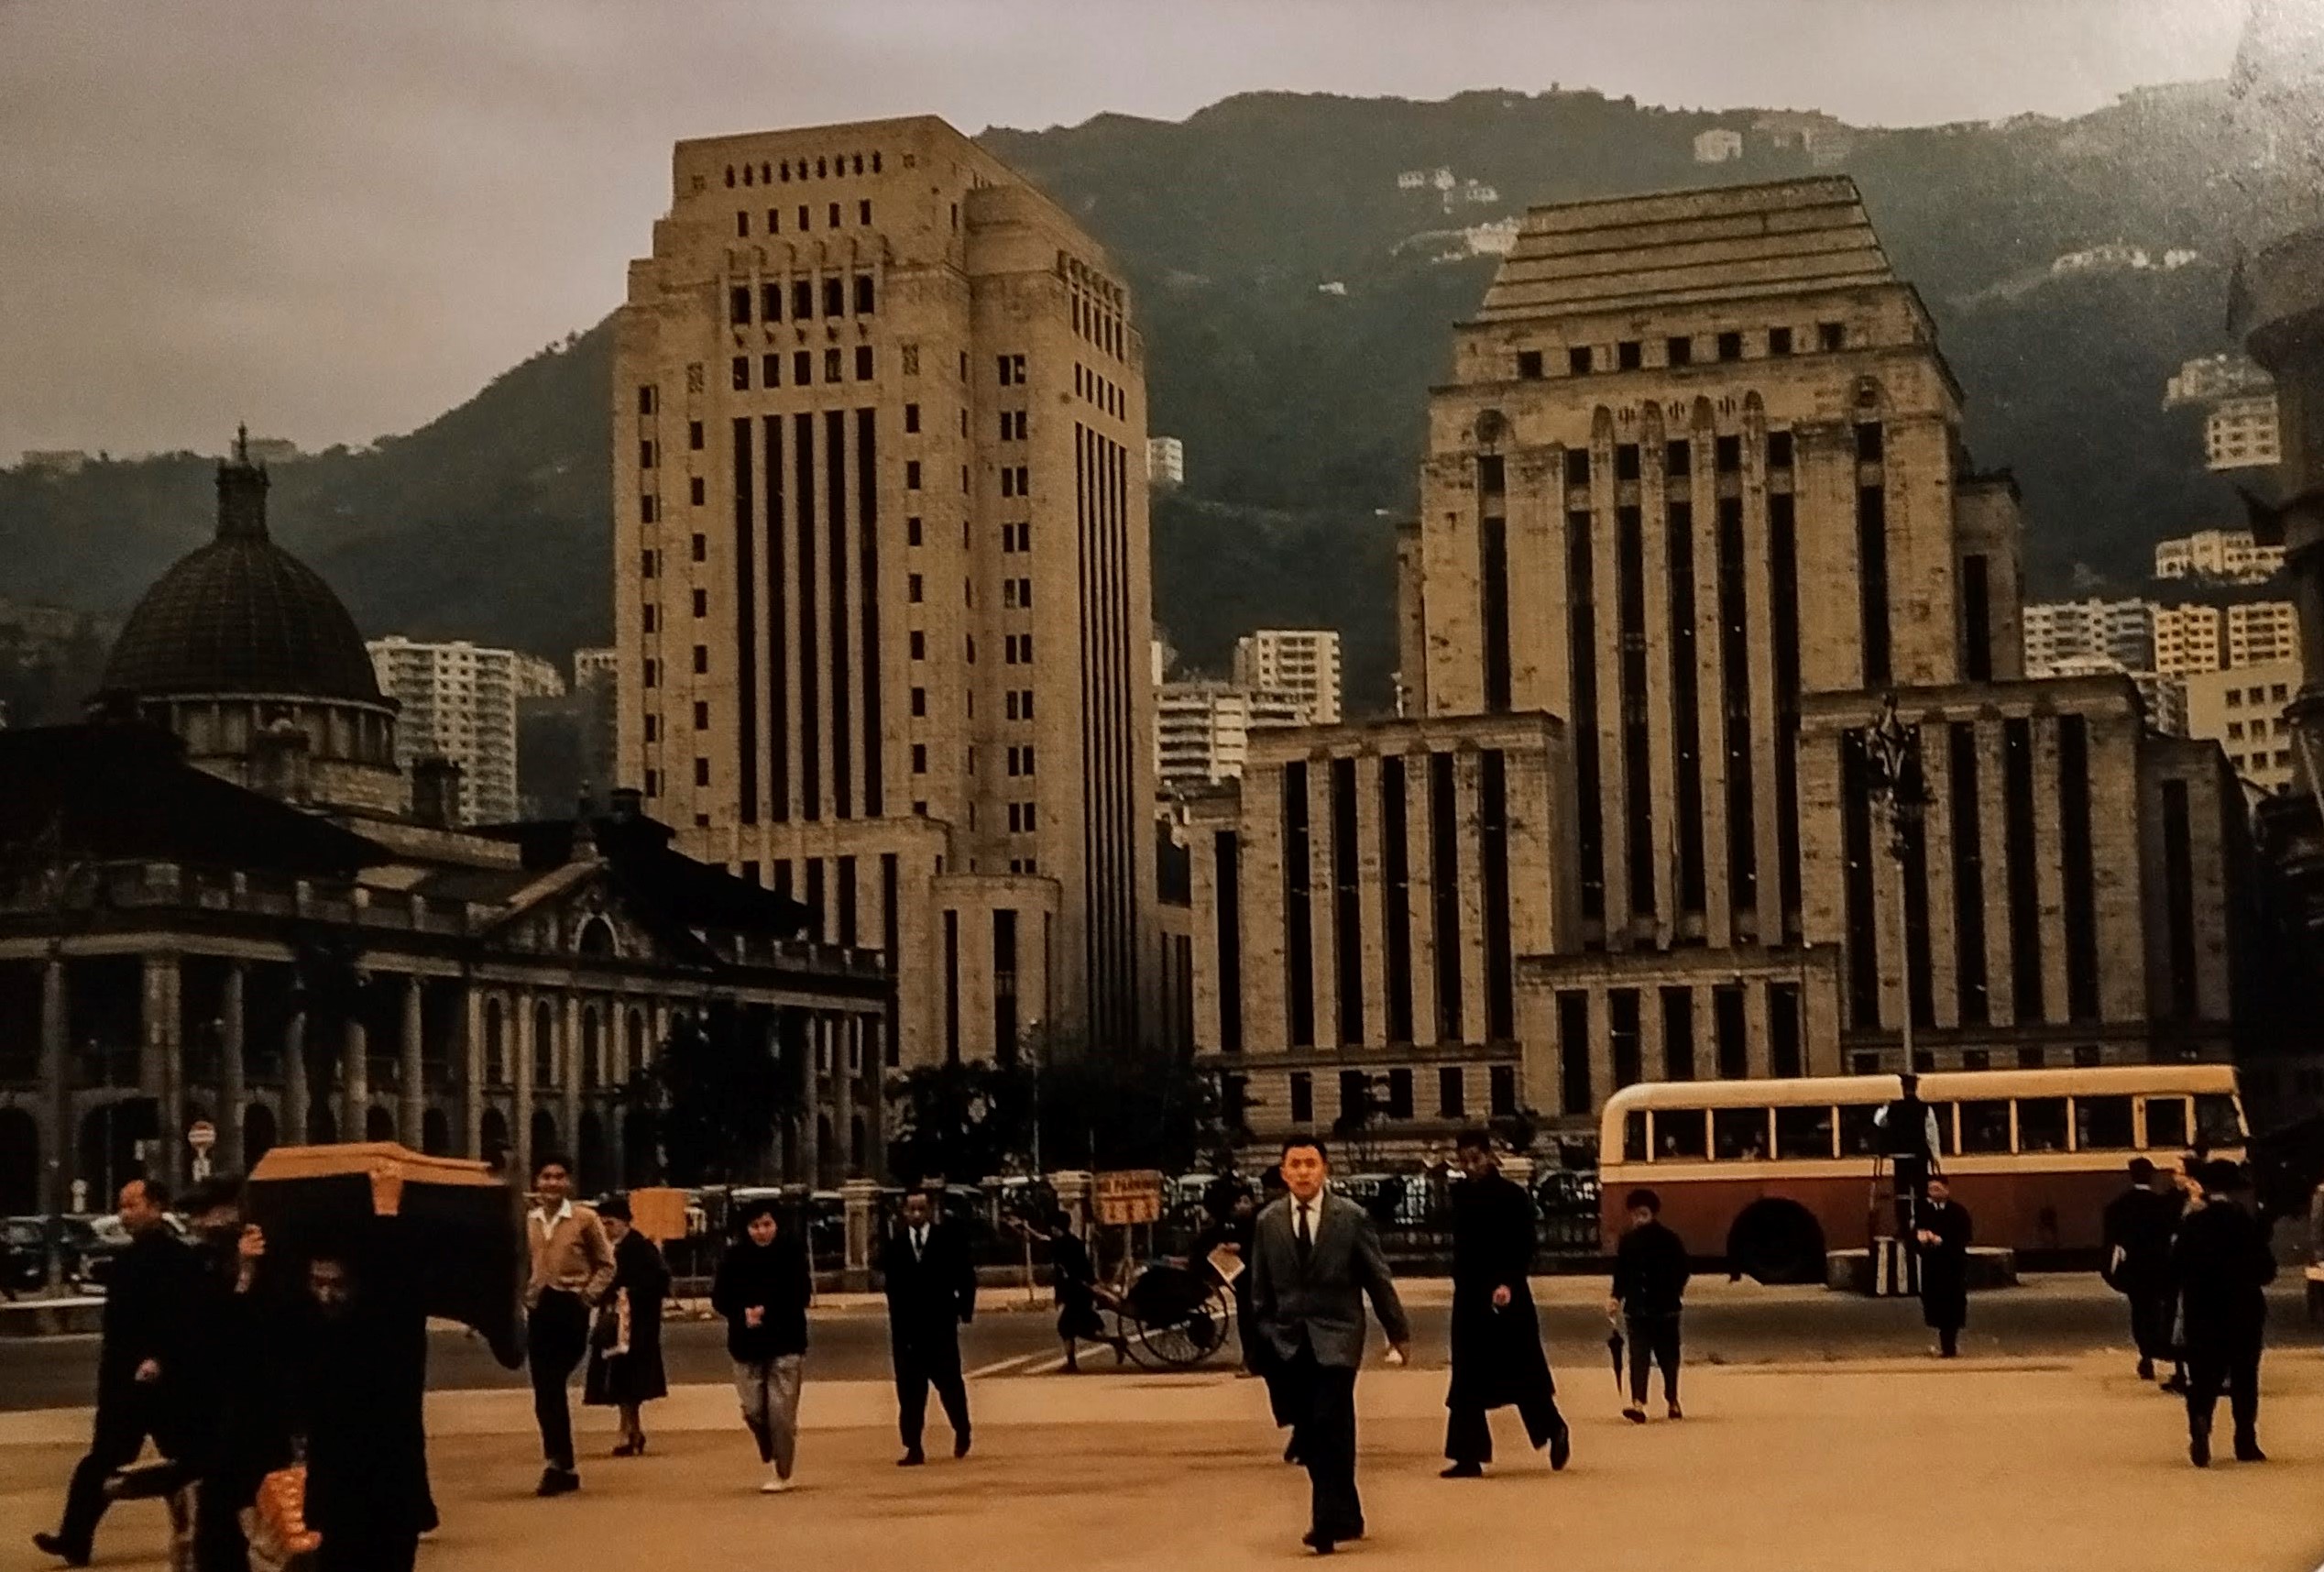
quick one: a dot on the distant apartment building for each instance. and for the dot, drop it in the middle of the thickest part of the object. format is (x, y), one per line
(2243, 433)
(1202, 730)
(1164, 463)
(53, 461)
(2192, 639)
(2061, 631)
(1301, 662)
(596, 683)
(2164, 699)
(2243, 710)
(2230, 555)
(459, 700)
(2213, 377)
(1718, 147)
(2259, 632)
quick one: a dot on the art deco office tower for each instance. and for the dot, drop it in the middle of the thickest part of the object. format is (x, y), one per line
(881, 573)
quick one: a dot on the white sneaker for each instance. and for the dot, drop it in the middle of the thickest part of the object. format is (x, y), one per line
(776, 1485)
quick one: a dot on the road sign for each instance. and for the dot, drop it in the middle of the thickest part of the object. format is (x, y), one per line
(1131, 1195)
(201, 1135)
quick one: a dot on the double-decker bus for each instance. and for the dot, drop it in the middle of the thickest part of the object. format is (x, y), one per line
(1771, 1174)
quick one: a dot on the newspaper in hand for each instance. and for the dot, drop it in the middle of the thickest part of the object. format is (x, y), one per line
(1227, 1262)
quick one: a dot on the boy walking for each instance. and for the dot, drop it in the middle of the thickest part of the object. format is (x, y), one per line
(1650, 1281)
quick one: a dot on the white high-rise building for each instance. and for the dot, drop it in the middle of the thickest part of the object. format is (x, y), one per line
(2243, 710)
(2061, 631)
(1202, 730)
(2228, 554)
(2190, 639)
(1164, 463)
(1301, 662)
(459, 700)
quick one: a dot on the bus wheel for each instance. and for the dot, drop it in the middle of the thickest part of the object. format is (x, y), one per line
(1777, 1241)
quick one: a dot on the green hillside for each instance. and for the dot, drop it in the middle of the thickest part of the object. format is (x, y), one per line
(1301, 409)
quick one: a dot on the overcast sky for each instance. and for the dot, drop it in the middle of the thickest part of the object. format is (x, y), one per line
(336, 218)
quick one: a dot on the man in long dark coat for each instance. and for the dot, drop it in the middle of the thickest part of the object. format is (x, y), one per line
(2223, 1265)
(1942, 1241)
(1497, 1360)
(2139, 1224)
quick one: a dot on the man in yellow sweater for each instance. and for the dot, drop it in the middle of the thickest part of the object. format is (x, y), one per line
(572, 1269)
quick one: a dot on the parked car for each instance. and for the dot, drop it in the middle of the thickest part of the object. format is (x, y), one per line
(24, 1255)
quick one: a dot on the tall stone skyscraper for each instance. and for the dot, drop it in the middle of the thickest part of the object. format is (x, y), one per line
(881, 575)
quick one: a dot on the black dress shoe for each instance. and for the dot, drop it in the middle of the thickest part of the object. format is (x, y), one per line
(558, 1481)
(911, 1458)
(1318, 1544)
(2199, 1451)
(1291, 1453)
(1561, 1446)
(960, 1445)
(2247, 1450)
(1463, 1472)
(52, 1544)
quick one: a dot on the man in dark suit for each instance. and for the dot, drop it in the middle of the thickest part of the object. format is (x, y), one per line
(1943, 1244)
(2224, 1266)
(142, 1379)
(1315, 1258)
(931, 1288)
(1497, 1360)
(2138, 1227)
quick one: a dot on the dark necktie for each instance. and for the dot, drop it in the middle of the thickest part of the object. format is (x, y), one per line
(1300, 1236)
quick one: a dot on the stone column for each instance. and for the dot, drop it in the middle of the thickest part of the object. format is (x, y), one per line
(471, 1072)
(1072, 1186)
(522, 1049)
(56, 1081)
(161, 1067)
(411, 1111)
(297, 1099)
(355, 1080)
(234, 1087)
(860, 1197)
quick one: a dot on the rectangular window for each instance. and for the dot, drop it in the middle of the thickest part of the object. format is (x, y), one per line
(741, 371)
(1528, 364)
(1857, 883)
(739, 302)
(802, 294)
(648, 509)
(1784, 1029)
(1581, 622)
(645, 564)
(1685, 718)
(1830, 336)
(1302, 1098)
(1735, 674)
(771, 370)
(1626, 461)
(1779, 450)
(864, 283)
(1444, 878)
(863, 362)
(1396, 897)
(1493, 879)
(701, 659)
(1637, 786)
(1680, 350)
(1577, 360)
(1872, 591)
(1730, 347)
(2078, 855)
(1628, 354)
(693, 435)
(2178, 904)
(702, 603)
(831, 360)
(1869, 444)
(1678, 1034)
(645, 398)
(1575, 1092)
(701, 716)
(771, 295)
(919, 758)
(1494, 587)
(1778, 341)
(803, 368)
(1399, 1103)
(1622, 1022)
(912, 475)
(1501, 1085)
(1730, 1034)
(835, 297)
(1976, 620)
(2024, 888)
(1452, 1093)
(1298, 951)
(1228, 939)
(1970, 996)
(912, 418)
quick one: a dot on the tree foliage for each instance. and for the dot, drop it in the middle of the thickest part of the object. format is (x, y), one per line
(964, 1121)
(715, 1097)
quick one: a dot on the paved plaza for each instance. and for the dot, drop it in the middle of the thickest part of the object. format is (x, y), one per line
(2065, 1464)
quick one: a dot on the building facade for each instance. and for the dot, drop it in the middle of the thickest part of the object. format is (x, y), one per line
(2057, 632)
(2243, 711)
(1164, 463)
(1301, 662)
(458, 701)
(882, 573)
(1202, 730)
(2231, 556)
(1697, 490)
(2243, 433)
(223, 902)
(2193, 639)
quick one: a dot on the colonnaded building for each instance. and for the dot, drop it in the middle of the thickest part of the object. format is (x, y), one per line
(881, 590)
(222, 902)
(1695, 501)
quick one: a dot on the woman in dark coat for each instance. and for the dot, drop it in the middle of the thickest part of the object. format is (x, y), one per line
(1943, 1240)
(625, 1352)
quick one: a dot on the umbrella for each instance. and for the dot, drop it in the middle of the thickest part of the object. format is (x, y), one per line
(452, 1232)
(1614, 1352)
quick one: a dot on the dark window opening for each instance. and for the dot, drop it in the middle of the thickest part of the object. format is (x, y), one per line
(1348, 911)
(1573, 1053)
(2079, 856)
(1856, 840)
(1784, 1029)
(1686, 721)
(1678, 1034)
(1872, 591)
(1396, 897)
(1637, 757)
(1735, 672)
(2178, 904)
(1577, 360)
(1444, 875)
(1680, 350)
(1976, 620)
(1493, 858)
(1970, 994)
(1229, 941)
(1731, 1034)
(2025, 889)
(1730, 347)
(1582, 662)
(1528, 364)
(1298, 955)
(1622, 1033)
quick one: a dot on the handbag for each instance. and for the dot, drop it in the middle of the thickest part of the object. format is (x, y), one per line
(275, 1521)
(610, 1336)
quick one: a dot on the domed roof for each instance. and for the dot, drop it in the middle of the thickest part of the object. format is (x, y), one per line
(241, 616)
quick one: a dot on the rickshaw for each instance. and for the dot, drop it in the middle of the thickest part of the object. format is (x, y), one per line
(1170, 1315)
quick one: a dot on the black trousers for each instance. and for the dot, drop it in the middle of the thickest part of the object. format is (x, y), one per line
(124, 1421)
(919, 1366)
(218, 1500)
(2151, 1323)
(1322, 1401)
(555, 1337)
(381, 1551)
(1654, 1340)
(1468, 1433)
(2235, 1365)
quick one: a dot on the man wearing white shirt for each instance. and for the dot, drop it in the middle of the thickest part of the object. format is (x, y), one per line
(572, 1269)
(931, 1291)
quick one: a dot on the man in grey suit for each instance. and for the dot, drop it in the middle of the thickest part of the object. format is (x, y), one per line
(1315, 1257)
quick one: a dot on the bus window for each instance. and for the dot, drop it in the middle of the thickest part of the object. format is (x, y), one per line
(1678, 1134)
(1985, 1125)
(1634, 1137)
(1859, 1136)
(2041, 1124)
(2102, 1123)
(2216, 1125)
(1738, 1132)
(2167, 1124)
(1804, 1132)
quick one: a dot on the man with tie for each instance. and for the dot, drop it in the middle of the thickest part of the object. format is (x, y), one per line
(931, 1290)
(1315, 1258)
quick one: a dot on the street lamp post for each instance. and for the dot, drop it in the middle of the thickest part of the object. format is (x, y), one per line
(1893, 750)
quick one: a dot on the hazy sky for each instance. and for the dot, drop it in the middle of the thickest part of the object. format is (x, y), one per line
(336, 218)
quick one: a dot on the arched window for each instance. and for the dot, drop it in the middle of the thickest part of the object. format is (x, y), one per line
(544, 1044)
(597, 938)
(496, 1045)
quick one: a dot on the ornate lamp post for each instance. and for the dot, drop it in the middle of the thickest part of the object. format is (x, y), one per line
(1893, 750)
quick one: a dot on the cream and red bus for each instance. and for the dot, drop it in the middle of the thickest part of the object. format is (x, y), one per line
(1770, 1175)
